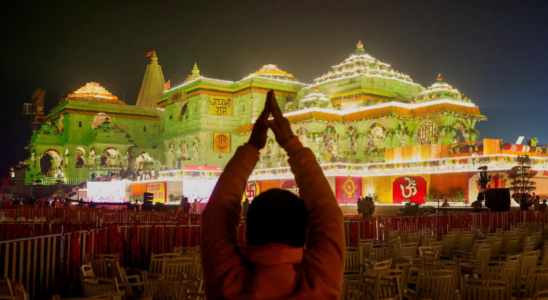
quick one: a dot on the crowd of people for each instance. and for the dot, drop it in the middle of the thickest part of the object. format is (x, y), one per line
(366, 207)
(139, 175)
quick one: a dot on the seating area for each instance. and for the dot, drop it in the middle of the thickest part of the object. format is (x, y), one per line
(176, 275)
(47, 259)
(466, 263)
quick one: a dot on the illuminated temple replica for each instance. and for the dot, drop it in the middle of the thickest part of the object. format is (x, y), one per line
(374, 131)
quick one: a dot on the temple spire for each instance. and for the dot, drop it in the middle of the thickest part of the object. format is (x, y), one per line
(152, 88)
(195, 73)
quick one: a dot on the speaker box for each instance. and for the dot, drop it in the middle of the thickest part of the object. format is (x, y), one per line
(498, 199)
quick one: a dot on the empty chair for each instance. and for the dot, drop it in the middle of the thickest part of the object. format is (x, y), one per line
(411, 237)
(190, 252)
(97, 286)
(103, 256)
(352, 288)
(483, 289)
(100, 267)
(465, 243)
(451, 265)
(389, 286)
(381, 252)
(536, 281)
(177, 266)
(511, 247)
(12, 291)
(157, 261)
(125, 282)
(495, 247)
(436, 284)
(393, 235)
(365, 249)
(409, 250)
(542, 295)
(528, 263)
(379, 267)
(502, 270)
(352, 261)
(447, 246)
(473, 266)
(166, 287)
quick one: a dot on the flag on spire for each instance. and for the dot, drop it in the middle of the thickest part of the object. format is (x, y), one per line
(149, 54)
(167, 85)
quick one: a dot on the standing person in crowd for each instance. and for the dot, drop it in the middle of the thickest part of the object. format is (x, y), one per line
(245, 207)
(525, 203)
(123, 173)
(445, 204)
(543, 206)
(359, 203)
(371, 206)
(536, 203)
(274, 263)
(477, 204)
(93, 176)
(365, 208)
(185, 205)
(196, 206)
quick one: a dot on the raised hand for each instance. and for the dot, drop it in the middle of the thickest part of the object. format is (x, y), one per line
(280, 125)
(258, 134)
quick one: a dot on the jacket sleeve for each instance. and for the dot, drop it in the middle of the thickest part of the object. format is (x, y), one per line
(325, 250)
(221, 218)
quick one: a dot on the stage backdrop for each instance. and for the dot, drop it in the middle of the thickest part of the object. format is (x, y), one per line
(395, 189)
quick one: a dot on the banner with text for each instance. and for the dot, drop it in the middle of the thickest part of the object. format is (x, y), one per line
(159, 191)
(221, 142)
(220, 105)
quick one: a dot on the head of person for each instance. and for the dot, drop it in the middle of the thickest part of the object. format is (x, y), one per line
(277, 216)
(445, 201)
(544, 201)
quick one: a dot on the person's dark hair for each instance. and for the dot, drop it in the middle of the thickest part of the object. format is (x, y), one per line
(277, 216)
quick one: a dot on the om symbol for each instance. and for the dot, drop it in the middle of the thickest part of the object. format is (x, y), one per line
(410, 189)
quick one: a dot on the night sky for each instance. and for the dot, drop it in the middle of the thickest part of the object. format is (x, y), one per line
(496, 52)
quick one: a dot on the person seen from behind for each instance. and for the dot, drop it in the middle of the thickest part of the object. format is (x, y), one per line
(525, 203)
(274, 263)
(184, 206)
(359, 204)
(543, 205)
(196, 206)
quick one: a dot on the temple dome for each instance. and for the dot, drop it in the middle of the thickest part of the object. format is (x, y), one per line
(94, 92)
(272, 71)
(441, 91)
(361, 63)
(315, 96)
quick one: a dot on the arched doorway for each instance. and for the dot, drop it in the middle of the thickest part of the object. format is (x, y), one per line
(46, 163)
(50, 163)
